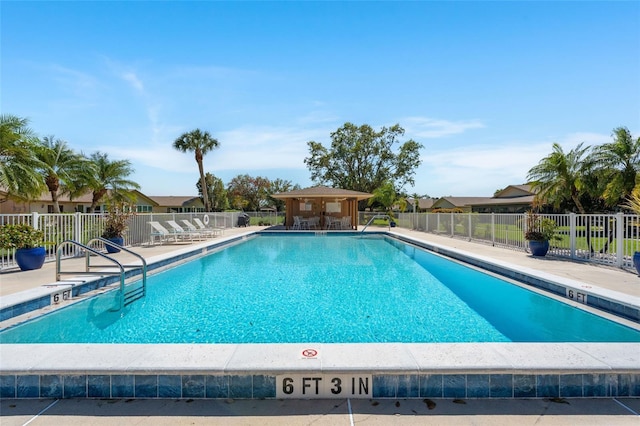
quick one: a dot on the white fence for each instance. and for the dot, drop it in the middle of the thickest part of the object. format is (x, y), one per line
(607, 239)
(83, 227)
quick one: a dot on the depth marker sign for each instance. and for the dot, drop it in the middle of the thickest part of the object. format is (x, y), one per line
(311, 386)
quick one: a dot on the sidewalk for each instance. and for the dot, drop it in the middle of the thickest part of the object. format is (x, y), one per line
(539, 412)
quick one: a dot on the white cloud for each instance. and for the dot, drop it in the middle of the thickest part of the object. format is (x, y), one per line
(264, 147)
(81, 84)
(572, 140)
(425, 127)
(477, 170)
(133, 79)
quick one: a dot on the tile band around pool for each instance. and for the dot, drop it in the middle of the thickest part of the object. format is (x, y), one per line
(458, 370)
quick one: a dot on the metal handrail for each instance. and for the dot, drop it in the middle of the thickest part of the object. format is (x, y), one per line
(118, 246)
(378, 216)
(88, 251)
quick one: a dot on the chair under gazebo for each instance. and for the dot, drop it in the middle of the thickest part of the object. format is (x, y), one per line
(330, 205)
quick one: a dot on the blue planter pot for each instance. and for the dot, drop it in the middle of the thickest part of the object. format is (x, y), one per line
(30, 259)
(117, 240)
(539, 248)
(636, 261)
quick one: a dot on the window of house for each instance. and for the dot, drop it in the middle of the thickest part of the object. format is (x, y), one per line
(306, 206)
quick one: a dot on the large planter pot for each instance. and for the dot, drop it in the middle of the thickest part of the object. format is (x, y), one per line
(118, 240)
(31, 258)
(636, 261)
(539, 248)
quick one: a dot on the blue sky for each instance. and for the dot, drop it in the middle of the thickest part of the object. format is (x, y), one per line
(486, 87)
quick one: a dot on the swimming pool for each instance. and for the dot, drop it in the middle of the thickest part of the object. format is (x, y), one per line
(367, 370)
(324, 289)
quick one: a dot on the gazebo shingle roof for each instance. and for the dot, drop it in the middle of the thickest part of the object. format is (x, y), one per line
(323, 192)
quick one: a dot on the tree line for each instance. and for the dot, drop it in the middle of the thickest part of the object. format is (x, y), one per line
(585, 179)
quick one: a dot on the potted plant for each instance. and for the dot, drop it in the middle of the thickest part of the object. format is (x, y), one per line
(28, 243)
(115, 225)
(633, 203)
(539, 232)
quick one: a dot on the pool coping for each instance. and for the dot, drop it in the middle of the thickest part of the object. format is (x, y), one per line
(457, 370)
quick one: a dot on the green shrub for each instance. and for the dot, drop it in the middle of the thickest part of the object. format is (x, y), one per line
(22, 236)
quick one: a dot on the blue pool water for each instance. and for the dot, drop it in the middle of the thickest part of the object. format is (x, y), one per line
(305, 288)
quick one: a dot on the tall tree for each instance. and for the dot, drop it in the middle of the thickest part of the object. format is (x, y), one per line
(200, 143)
(18, 164)
(277, 186)
(216, 192)
(560, 177)
(618, 163)
(249, 193)
(64, 170)
(109, 175)
(362, 159)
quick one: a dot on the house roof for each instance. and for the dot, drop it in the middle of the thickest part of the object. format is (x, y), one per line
(426, 203)
(323, 192)
(45, 197)
(173, 200)
(504, 201)
(512, 191)
(461, 201)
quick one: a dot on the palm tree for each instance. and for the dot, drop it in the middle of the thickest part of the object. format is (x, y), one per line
(64, 170)
(559, 177)
(619, 163)
(18, 164)
(109, 175)
(386, 196)
(199, 143)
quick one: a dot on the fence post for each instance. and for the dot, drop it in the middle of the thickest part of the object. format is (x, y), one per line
(470, 232)
(572, 235)
(452, 224)
(620, 239)
(35, 222)
(77, 227)
(493, 229)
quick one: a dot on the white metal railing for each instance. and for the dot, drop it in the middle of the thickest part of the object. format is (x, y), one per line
(607, 239)
(83, 227)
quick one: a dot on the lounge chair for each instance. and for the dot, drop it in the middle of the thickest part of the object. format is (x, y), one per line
(180, 232)
(160, 233)
(217, 230)
(205, 232)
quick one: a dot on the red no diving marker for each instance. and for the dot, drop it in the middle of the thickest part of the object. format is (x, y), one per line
(309, 353)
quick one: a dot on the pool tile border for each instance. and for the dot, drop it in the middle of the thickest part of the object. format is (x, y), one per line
(263, 386)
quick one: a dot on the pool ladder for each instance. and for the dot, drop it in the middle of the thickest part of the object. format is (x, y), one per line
(126, 297)
(378, 216)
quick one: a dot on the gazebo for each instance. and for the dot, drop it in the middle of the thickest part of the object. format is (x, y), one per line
(322, 202)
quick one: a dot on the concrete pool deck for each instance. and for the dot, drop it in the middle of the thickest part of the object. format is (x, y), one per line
(603, 370)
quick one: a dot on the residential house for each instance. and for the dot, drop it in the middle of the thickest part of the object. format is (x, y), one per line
(175, 204)
(143, 204)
